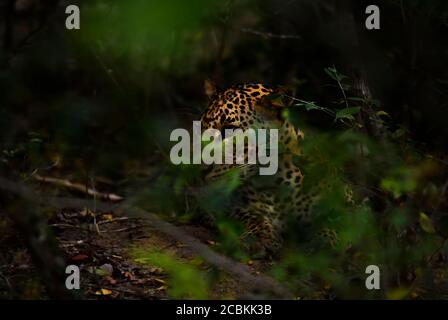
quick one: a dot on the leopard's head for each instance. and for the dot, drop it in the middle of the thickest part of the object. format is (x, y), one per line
(242, 106)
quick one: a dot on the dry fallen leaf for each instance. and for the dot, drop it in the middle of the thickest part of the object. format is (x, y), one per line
(179, 244)
(87, 213)
(103, 292)
(160, 281)
(140, 282)
(156, 270)
(111, 280)
(129, 275)
(79, 258)
(107, 217)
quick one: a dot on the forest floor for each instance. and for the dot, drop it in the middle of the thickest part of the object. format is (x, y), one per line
(101, 245)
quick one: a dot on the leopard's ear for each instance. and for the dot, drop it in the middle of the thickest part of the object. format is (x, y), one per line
(281, 97)
(210, 88)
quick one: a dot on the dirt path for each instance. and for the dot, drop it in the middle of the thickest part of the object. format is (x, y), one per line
(101, 245)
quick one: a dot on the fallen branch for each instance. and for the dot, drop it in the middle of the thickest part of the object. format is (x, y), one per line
(78, 187)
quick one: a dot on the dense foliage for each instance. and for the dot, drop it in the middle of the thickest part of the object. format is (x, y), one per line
(99, 104)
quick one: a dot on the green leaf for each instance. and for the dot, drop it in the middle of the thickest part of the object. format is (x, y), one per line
(36, 140)
(347, 113)
(400, 181)
(382, 113)
(397, 294)
(399, 133)
(185, 280)
(332, 73)
(308, 106)
(98, 272)
(311, 106)
(426, 223)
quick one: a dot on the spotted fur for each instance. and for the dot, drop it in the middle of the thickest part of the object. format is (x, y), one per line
(263, 210)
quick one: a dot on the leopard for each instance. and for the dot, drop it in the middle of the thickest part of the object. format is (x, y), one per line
(263, 209)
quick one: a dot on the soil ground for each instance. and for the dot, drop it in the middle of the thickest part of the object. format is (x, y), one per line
(101, 244)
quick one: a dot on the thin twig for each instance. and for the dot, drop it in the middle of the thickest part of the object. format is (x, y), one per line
(64, 225)
(114, 220)
(126, 228)
(269, 35)
(116, 289)
(6, 280)
(108, 71)
(92, 181)
(342, 89)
